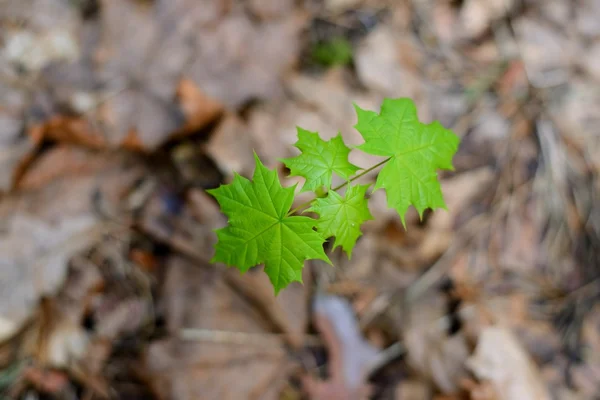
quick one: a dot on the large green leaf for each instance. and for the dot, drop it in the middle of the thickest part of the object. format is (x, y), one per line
(261, 232)
(415, 150)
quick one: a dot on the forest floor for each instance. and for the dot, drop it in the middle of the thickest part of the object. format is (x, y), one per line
(117, 115)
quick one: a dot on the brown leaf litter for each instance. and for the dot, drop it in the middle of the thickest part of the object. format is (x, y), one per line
(115, 118)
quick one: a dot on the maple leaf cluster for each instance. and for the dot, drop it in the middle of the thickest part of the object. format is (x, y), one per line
(263, 229)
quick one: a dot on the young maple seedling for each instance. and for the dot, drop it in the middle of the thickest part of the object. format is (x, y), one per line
(263, 229)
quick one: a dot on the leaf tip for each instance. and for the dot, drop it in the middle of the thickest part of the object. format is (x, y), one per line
(213, 192)
(256, 158)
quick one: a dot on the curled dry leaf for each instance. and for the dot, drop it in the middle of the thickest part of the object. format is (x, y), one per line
(68, 130)
(198, 108)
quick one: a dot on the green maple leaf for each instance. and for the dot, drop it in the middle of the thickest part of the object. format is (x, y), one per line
(415, 152)
(260, 230)
(342, 216)
(319, 160)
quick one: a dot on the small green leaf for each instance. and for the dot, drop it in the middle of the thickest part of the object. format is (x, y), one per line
(416, 151)
(335, 51)
(342, 216)
(261, 232)
(319, 160)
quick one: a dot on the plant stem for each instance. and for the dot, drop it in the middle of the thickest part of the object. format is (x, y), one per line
(335, 189)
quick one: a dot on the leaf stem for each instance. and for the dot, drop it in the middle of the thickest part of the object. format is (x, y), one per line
(335, 189)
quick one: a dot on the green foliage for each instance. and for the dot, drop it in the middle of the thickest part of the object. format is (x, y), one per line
(319, 160)
(342, 216)
(415, 152)
(335, 51)
(260, 230)
(263, 230)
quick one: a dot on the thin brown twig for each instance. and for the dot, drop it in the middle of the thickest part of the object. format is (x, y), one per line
(242, 338)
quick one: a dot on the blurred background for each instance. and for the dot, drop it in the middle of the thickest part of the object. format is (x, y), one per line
(117, 115)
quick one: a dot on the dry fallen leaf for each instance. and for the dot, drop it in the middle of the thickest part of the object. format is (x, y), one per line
(230, 145)
(15, 147)
(476, 16)
(287, 312)
(271, 9)
(432, 352)
(143, 73)
(265, 51)
(459, 193)
(380, 65)
(43, 228)
(546, 53)
(501, 359)
(196, 297)
(351, 357)
(412, 390)
(198, 108)
(586, 17)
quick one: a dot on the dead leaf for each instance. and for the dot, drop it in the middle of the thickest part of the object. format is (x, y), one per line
(476, 16)
(501, 359)
(412, 390)
(125, 318)
(586, 18)
(34, 49)
(339, 6)
(546, 53)
(578, 119)
(459, 193)
(15, 146)
(197, 297)
(388, 65)
(47, 381)
(231, 146)
(62, 162)
(351, 357)
(270, 9)
(591, 61)
(287, 312)
(266, 131)
(14, 150)
(56, 339)
(72, 130)
(265, 51)
(479, 390)
(432, 352)
(198, 108)
(42, 229)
